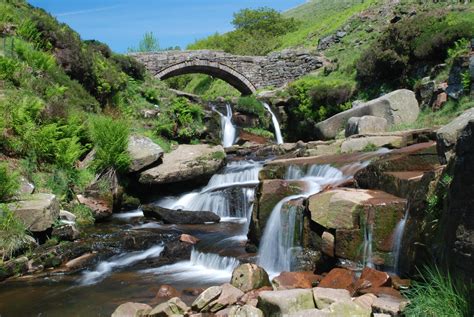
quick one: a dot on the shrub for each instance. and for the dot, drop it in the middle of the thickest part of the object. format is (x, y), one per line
(84, 215)
(9, 183)
(130, 66)
(13, 233)
(437, 294)
(249, 104)
(110, 140)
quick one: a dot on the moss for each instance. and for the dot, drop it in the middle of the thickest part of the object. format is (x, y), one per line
(218, 155)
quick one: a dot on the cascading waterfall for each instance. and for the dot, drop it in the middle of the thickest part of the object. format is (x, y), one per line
(228, 131)
(278, 240)
(236, 183)
(397, 241)
(367, 247)
(104, 268)
(276, 124)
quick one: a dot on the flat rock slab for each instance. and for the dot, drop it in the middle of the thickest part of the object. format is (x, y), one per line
(282, 303)
(361, 143)
(187, 162)
(39, 212)
(170, 216)
(130, 309)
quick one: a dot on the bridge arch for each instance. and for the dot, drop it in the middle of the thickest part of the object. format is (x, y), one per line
(215, 69)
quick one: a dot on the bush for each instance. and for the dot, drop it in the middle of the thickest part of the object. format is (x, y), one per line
(250, 105)
(130, 66)
(437, 294)
(9, 183)
(110, 140)
(13, 233)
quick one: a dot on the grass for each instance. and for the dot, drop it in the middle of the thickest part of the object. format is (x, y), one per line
(429, 118)
(13, 233)
(260, 132)
(437, 294)
(9, 183)
(83, 214)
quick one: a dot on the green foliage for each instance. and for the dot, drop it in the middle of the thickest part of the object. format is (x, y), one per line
(393, 58)
(466, 81)
(182, 121)
(437, 294)
(9, 182)
(219, 155)
(260, 132)
(84, 215)
(13, 233)
(149, 43)
(110, 140)
(250, 105)
(370, 147)
(256, 33)
(130, 66)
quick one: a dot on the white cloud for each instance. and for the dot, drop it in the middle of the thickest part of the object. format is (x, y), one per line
(63, 14)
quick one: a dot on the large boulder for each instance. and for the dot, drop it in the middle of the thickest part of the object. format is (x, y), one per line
(247, 277)
(448, 135)
(100, 208)
(350, 212)
(201, 303)
(229, 296)
(130, 310)
(365, 124)
(186, 163)
(291, 280)
(143, 152)
(397, 107)
(282, 303)
(370, 143)
(245, 311)
(170, 216)
(339, 279)
(38, 212)
(325, 297)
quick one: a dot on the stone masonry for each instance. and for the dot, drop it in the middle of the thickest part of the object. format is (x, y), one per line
(246, 73)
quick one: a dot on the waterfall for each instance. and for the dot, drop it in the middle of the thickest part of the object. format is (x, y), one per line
(236, 184)
(201, 267)
(397, 241)
(104, 268)
(367, 246)
(276, 124)
(228, 130)
(278, 241)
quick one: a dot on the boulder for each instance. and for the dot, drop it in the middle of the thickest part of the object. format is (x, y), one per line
(186, 163)
(66, 232)
(247, 277)
(339, 279)
(268, 194)
(349, 211)
(291, 280)
(448, 135)
(81, 261)
(130, 310)
(312, 313)
(365, 301)
(389, 305)
(363, 143)
(187, 238)
(397, 107)
(324, 297)
(365, 124)
(170, 216)
(251, 298)
(172, 308)
(26, 187)
(426, 92)
(229, 296)
(39, 212)
(143, 152)
(201, 303)
(245, 311)
(372, 278)
(100, 208)
(327, 246)
(167, 291)
(285, 302)
(67, 216)
(349, 309)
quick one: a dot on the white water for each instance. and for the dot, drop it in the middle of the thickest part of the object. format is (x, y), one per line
(276, 124)
(228, 131)
(367, 247)
(129, 215)
(104, 268)
(229, 194)
(397, 242)
(278, 240)
(202, 267)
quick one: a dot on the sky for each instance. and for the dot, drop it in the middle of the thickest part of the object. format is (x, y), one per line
(121, 24)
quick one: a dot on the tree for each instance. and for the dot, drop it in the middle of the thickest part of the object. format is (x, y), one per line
(149, 43)
(263, 20)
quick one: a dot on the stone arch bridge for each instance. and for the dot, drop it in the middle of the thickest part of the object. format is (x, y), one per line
(245, 73)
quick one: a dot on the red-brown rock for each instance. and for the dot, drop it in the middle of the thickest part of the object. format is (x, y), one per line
(441, 99)
(399, 283)
(339, 278)
(382, 291)
(188, 239)
(167, 291)
(372, 278)
(291, 280)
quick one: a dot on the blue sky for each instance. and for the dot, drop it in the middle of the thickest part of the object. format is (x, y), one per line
(121, 23)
